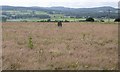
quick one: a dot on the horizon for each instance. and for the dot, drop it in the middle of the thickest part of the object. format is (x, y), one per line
(61, 3)
(57, 6)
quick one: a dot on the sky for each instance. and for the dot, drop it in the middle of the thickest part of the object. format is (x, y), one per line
(65, 3)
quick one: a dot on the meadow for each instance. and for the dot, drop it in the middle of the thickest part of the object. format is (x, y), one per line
(75, 46)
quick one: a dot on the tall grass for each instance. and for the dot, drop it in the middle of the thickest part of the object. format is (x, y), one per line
(30, 43)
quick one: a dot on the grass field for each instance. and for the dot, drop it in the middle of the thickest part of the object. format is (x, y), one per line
(75, 46)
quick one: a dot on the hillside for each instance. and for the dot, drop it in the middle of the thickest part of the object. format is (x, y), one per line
(14, 12)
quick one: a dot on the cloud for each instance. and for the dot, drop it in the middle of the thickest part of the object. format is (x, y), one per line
(84, 4)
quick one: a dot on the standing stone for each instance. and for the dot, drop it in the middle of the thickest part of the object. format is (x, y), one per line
(59, 24)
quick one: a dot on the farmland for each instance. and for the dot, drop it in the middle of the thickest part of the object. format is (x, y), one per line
(75, 46)
(13, 13)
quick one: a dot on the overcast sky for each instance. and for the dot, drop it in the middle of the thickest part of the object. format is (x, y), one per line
(65, 3)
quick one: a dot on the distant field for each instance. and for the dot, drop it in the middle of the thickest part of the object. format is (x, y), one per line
(53, 17)
(58, 19)
(75, 46)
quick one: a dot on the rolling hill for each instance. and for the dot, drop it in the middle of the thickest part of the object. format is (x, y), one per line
(97, 12)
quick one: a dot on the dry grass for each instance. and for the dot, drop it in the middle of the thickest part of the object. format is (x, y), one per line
(80, 46)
